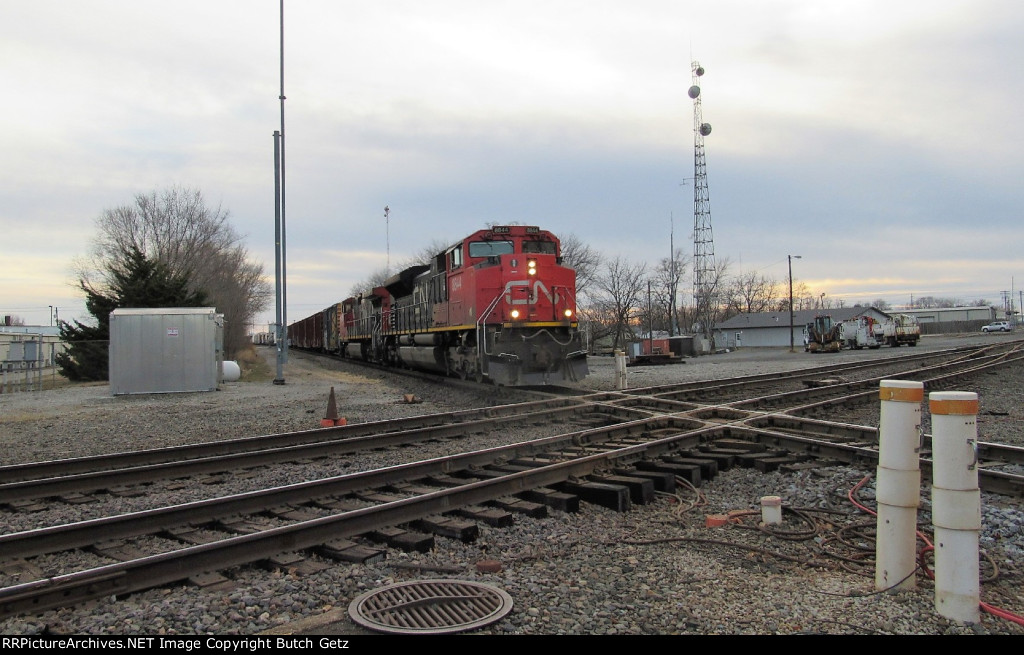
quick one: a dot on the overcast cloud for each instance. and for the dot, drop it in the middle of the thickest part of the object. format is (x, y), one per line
(878, 140)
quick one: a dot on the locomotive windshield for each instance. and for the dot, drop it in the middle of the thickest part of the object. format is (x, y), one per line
(490, 248)
(540, 247)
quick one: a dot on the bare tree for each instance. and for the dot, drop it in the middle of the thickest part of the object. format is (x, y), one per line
(715, 280)
(752, 293)
(584, 260)
(423, 256)
(375, 279)
(178, 229)
(427, 253)
(665, 290)
(619, 294)
(802, 296)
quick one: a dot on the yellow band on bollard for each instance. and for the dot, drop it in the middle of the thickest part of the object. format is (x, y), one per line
(901, 395)
(955, 407)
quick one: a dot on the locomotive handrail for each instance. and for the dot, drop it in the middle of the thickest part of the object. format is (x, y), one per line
(572, 298)
(480, 336)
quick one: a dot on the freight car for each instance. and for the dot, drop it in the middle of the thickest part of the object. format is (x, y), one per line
(497, 306)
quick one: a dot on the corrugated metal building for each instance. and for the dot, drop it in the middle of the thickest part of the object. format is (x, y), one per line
(165, 350)
(771, 329)
(952, 314)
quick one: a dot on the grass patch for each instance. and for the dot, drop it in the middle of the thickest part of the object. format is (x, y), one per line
(253, 366)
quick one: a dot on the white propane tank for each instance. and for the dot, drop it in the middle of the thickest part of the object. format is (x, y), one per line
(231, 371)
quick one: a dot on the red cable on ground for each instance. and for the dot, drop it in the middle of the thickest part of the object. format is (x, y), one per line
(995, 611)
(1003, 614)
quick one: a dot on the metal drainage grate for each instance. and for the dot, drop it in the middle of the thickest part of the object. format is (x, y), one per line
(430, 607)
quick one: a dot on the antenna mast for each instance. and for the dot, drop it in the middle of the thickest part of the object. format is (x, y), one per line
(704, 270)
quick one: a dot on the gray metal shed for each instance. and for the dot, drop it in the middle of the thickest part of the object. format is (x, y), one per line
(165, 350)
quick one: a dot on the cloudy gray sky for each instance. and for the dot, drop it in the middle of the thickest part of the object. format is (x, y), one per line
(880, 141)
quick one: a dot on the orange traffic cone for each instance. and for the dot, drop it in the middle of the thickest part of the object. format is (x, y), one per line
(331, 419)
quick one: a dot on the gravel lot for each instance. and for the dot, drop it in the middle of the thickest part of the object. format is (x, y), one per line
(652, 570)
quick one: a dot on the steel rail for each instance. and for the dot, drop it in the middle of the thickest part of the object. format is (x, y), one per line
(88, 464)
(168, 567)
(799, 374)
(164, 568)
(871, 394)
(66, 484)
(52, 468)
(56, 486)
(74, 535)
(998, 482)
(871, 383)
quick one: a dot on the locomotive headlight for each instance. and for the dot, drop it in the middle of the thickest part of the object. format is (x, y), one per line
(533, 267)
(515, 313)
(568, 313)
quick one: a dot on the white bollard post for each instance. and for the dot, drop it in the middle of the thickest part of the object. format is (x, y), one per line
(771, 510)
(956, 504)
(620, 370)
(898, 483)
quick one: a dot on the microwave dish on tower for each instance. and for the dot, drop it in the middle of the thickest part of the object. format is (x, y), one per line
(705, 272)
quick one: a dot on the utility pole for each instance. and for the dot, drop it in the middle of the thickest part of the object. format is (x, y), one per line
(672, 276)
(650, 320)
(791, 258)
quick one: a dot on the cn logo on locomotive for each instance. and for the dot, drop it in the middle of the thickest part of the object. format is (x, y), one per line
(536, 291)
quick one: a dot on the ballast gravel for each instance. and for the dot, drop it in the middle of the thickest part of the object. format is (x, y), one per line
(655, 569)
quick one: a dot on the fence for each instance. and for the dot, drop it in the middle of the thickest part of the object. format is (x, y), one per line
(952, 327)
(24, 360)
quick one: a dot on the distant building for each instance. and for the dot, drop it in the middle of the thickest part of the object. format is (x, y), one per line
(771, 329)
(28, 346)
(971, 315)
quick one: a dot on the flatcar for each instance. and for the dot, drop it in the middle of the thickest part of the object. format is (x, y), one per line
(496, 306)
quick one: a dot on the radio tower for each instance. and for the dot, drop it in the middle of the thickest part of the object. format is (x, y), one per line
(704, 273)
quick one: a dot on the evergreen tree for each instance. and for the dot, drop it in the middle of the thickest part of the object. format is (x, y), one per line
(135, 282)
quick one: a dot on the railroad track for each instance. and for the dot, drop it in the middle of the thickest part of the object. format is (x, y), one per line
(289, 446)
(631, 432)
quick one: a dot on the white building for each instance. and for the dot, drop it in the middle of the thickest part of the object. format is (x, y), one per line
(771, 329)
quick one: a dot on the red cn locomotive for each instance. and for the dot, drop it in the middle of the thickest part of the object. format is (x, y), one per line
(498, 305)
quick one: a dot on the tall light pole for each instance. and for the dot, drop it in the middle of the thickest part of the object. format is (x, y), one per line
(281, 336)
(791, 258)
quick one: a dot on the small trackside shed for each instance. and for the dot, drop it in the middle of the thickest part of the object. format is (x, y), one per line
(165, 350)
